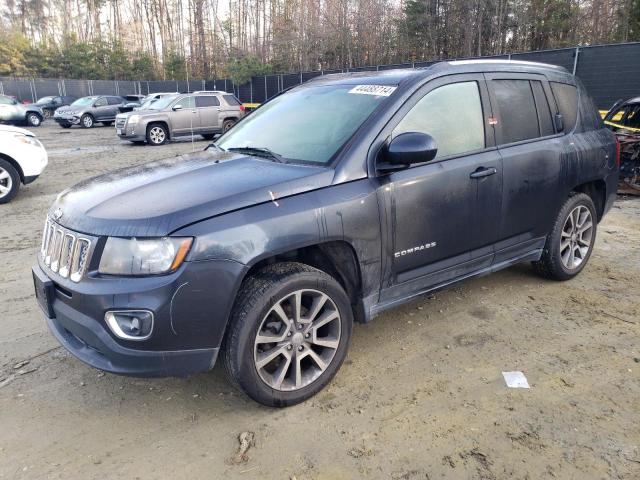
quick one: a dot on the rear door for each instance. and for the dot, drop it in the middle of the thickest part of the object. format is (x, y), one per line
(208, 107)
(533, 174)
(114, 106)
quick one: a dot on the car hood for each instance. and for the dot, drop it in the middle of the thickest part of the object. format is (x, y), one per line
(157, 198)
(69, 108)
(10, 129)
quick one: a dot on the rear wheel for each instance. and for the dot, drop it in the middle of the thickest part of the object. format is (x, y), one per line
(9, 181)
(107, 124)
(86, 121)
(289, 334)
(157, 134)
(228, 124)
(570, 243)
(33, 119)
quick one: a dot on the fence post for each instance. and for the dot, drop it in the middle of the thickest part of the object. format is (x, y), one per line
(251, 89)
(34, 92)
(1, 89)
(575, 60)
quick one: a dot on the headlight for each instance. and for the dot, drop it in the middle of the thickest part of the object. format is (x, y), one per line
(143, 256)
(133, 119)
(27, 140)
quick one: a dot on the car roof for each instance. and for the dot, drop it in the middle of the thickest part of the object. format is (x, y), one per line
(396, 77)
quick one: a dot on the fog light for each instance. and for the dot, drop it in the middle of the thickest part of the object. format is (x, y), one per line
(130, 324)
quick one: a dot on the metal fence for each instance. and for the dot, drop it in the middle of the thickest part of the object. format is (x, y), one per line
(609, 72)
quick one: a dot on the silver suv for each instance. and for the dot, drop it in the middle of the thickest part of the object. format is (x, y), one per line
(201, 113)
(11, 111)
(86, 111)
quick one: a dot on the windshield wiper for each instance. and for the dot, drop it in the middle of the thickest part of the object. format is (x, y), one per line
(259, 152)
(213, 144)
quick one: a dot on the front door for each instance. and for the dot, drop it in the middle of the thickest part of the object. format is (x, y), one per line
(443, 213)
(209, 110)
(101, 109)
(184, 117)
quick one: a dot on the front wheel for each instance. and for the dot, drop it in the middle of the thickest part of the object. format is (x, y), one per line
(156, 135)
(289, 334)
(9, 181)
(34, 120)
(86, 121)
(570, 243)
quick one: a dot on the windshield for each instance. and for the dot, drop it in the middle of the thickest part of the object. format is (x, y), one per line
(44, 100)
(162, 103)
(309, 124)
(84, 101)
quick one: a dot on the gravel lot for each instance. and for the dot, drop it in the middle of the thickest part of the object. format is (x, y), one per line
(420, 396)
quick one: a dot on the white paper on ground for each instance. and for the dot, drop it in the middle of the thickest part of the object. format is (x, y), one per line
(515, 380)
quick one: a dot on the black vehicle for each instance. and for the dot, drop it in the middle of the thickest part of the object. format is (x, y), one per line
(49, 104)
(332, 202)
(132, 102)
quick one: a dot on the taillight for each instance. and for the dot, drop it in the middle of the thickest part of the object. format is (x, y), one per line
(617, 152)
(242, 108)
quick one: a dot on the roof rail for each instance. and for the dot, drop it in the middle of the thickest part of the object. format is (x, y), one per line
(504, 62)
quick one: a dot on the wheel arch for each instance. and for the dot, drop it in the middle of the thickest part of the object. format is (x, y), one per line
(337, 258)
(15, 164)
(164, 123)
(597, 191)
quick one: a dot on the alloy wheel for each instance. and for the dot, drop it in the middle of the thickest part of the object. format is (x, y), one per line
(297, 340)
(576, 237)
(87, 121)
(157, 135)
(34, 120)
(6, 183)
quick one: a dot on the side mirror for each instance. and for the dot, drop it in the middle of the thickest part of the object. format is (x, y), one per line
(559, 121)
(411, 147)
(177, 107)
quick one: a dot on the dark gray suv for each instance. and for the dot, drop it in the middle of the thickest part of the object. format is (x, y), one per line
(87, 111)
(334, 201)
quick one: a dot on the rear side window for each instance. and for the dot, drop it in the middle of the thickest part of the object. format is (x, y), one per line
(544, 112)
(207, 101)
(231, 100)
(114, 100)
(452, 115)
(567, 100)
(101, 102)
(187, 102)
(517, 109)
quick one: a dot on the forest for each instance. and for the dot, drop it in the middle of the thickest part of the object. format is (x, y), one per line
(176, 39)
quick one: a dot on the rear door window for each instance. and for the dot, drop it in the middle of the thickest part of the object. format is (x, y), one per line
(114, 100)
(101, 102)
(207, 101)
(542, 106)
(187, 102)
(518, 116)
(567, 100)
(452, 115)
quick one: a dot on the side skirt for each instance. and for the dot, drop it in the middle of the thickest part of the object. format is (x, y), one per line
(371, 310)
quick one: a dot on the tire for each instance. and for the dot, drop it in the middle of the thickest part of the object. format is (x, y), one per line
(86, 121)
(276, 285)
(33, 119)
(208, 136)
(65, 125)
(107, 124)
(47, 113)
(157, 134)
(568, 249)
(9, 181)
(227, 125)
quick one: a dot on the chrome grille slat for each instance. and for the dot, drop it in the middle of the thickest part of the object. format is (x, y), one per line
(65, 252)
(121, 122)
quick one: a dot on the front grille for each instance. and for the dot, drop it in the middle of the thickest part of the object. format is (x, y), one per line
(121, 122)
(64, 252)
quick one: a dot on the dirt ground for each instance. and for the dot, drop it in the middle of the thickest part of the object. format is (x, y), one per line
(421, 395)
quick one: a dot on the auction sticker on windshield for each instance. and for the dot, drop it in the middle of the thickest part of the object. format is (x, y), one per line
(378, 90)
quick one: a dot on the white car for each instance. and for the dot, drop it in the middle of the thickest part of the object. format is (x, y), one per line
(22, 160)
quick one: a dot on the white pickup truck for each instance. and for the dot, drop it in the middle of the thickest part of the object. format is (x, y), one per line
(22, 160)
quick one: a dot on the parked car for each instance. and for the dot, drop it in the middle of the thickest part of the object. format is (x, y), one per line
(152, 98)
(623, 118)
(132, 102)
(624, 115)
(22, 160)
(200, 113)
(12, 111)
(86, 111)
(333, 202)
(49, 104)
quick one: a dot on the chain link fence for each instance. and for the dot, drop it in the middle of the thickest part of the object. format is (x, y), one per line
(609, 72)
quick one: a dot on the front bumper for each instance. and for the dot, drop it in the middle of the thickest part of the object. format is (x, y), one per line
(190, 306)
(133, 133)
(67, 119)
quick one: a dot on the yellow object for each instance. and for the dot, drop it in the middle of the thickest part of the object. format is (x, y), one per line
(251, 105)
(616, 117)
(617, 125)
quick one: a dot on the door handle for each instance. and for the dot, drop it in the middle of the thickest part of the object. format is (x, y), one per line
(483, 172)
